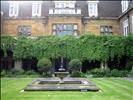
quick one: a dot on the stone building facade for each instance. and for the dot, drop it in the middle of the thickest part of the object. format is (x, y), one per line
(40, 18)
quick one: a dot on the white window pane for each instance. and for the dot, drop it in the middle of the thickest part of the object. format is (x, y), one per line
(110, 29)
(125, 27)
(102, 29)
(54, 27)
(106, 29)
(75, 27)
(75, 33)
(13, 9)
(124, 4)
(54, 32)
(92, 9)
(36, 9)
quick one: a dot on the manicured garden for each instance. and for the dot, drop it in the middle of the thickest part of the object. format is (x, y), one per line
(111, 89)
(74, 52)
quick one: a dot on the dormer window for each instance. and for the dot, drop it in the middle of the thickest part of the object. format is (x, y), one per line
(65, 7)
(13, 9)
(93, 8)
(124, 4)
(64, 4)
(36, 9)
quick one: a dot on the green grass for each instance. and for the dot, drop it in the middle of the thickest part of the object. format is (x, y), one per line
(111, 89)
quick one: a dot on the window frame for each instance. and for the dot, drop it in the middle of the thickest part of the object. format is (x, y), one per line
(125, 4)
(74, 31)
(125, 27)
(64, 4)
(22, 28)
(93, 8)
(15, 9)
(106, 30)
(36, 9)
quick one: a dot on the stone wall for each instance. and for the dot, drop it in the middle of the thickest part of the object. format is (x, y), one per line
(1, 25)
(10, 26)
(41, 27)
(65, 20)
(123, 18)
(93, 26)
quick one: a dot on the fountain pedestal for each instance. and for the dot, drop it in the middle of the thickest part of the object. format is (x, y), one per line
(61, 75)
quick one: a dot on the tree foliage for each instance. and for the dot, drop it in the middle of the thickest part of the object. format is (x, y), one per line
(85, 47)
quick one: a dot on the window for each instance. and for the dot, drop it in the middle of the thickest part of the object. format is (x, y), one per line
(106, 30)
(93, 8)
(65, 29)
(13, 9)
(24, 30)
(36, 9)
(75, 27)
(64, 4)
(125, 27)
(124, 4)
(64, 7)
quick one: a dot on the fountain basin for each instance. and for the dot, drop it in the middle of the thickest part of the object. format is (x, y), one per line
(68, 84)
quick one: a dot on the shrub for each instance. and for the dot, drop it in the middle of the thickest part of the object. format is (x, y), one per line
(75, 65)
(107, 72)
(119, 73)
(131, 73)
(82, 74)
(44, 66)
(30, 72)
(3, 73)
(115, 73)
(78, 74)
(124, 73)
(98, 72)
(16, 71)
(75, 74)
(44, 62)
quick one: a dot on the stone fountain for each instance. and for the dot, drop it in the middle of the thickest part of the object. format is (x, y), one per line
(62, 73)
(61, 83)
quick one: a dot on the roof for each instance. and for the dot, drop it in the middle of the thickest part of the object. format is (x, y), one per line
(105, 8)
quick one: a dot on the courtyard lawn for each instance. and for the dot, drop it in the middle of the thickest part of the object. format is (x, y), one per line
(111, 89)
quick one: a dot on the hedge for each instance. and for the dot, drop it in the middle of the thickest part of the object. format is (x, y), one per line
(85, 47)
